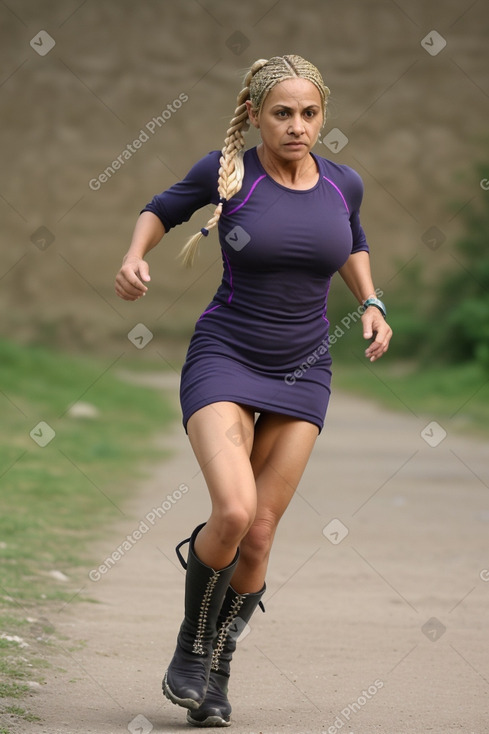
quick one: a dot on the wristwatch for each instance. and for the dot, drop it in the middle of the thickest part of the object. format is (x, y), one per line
(377, 303)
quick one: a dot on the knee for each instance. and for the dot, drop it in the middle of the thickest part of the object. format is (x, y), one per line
(232, 523)
(257, 542)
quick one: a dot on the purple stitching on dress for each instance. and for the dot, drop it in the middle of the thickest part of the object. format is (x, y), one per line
(255, 184)
(209, 310)
(338, 190)
(230, 297)
(326, 303)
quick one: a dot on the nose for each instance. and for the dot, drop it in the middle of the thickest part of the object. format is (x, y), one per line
(296, 126)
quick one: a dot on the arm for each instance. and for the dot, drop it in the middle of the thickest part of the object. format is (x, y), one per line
(357, 276)
(129, 282)
(166, 210)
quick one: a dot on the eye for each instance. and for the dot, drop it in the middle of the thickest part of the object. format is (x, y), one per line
(310, 114)
(282, 114)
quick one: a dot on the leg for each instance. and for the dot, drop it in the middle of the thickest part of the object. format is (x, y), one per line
(280, 452)
(221, 436)
(281, 449)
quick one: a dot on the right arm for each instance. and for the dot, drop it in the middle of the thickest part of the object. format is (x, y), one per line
(134, 273)
(166, 210)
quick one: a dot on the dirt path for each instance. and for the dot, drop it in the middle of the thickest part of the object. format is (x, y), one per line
(381, 631)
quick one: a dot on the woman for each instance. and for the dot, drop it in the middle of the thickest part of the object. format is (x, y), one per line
(287, 221)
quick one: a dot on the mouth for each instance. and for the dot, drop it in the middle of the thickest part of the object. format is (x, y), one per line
(295, 144)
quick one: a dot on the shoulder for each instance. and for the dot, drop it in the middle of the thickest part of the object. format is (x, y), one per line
(206, 166)
(339, 172)
(345, 177)
(210, 163)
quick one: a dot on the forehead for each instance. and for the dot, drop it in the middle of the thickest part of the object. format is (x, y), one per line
(294, 92)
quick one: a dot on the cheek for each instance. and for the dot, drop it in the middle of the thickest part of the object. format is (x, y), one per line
(315, 127)
(272, 128)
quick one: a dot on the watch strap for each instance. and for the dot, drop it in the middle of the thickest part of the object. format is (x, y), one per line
(377, 303)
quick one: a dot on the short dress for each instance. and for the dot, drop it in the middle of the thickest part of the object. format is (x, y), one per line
(262, 341)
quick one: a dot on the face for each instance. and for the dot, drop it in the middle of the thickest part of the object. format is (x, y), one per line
(290, 119)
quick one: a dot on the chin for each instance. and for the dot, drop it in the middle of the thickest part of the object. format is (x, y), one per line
(297, 152)
(297, 155)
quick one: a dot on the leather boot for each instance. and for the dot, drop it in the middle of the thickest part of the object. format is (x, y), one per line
(236, 611)
(186, 680)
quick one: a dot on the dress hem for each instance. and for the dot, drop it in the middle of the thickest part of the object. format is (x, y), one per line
(257, 406)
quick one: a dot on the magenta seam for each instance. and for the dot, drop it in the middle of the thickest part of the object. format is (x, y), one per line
(230, 297)
(208, 311)
(338, 190)
(255, 184)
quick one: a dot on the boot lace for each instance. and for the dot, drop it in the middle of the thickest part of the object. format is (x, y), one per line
(198, 646)
(224, 630)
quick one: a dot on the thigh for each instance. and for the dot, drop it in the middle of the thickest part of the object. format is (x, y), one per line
(281, 450)
(221, 435)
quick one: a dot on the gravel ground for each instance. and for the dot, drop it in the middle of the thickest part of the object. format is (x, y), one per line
(377, 601)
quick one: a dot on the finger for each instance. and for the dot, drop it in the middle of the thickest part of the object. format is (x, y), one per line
(131, 290)
(134, 280)
(136, 267)
(125, 295)
(144, 271)
(130, 280)
(371, 324)
(367, 331)
(377, 348)
(373, 356)
(377, 340)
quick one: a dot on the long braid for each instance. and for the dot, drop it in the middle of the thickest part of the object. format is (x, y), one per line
(231, 169)
(262, 76)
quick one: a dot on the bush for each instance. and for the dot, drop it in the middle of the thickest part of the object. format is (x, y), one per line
(461, 312)
(448, 322)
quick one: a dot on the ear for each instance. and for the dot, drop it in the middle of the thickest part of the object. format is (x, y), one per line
(253, 117)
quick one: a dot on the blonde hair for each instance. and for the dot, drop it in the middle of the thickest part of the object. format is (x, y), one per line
(259, 80)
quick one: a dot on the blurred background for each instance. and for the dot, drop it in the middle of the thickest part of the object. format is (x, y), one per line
(104, 103)
(80, 81)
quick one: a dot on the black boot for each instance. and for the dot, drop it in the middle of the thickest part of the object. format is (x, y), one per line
(235, 613)
(186, 680)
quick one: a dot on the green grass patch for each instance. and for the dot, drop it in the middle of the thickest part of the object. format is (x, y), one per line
(21, 713)
(12, 690)
(56, 495)
(456, 395)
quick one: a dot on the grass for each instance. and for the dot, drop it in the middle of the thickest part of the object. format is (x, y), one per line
(457, 396)
(56, 497)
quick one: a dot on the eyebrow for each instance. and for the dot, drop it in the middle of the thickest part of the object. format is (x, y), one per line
(286, 107)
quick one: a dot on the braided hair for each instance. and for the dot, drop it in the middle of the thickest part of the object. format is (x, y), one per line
(259, 80)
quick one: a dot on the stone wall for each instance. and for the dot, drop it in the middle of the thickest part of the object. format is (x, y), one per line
(80, 81)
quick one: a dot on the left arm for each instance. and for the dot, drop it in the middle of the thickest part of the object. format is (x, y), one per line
(357, 276)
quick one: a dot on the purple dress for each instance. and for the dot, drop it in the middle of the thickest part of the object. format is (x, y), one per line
(262, 341)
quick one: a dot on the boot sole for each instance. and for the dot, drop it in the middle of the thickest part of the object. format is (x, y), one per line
(187, 703)
(208, 722)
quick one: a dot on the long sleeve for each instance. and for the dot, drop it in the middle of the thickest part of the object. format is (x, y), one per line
(359, 239)
(197, 189)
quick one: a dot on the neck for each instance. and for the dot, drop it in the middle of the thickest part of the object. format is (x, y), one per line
(298, 174)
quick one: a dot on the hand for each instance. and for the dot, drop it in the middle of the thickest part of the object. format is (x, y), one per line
(129, 281)
(376, 327)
